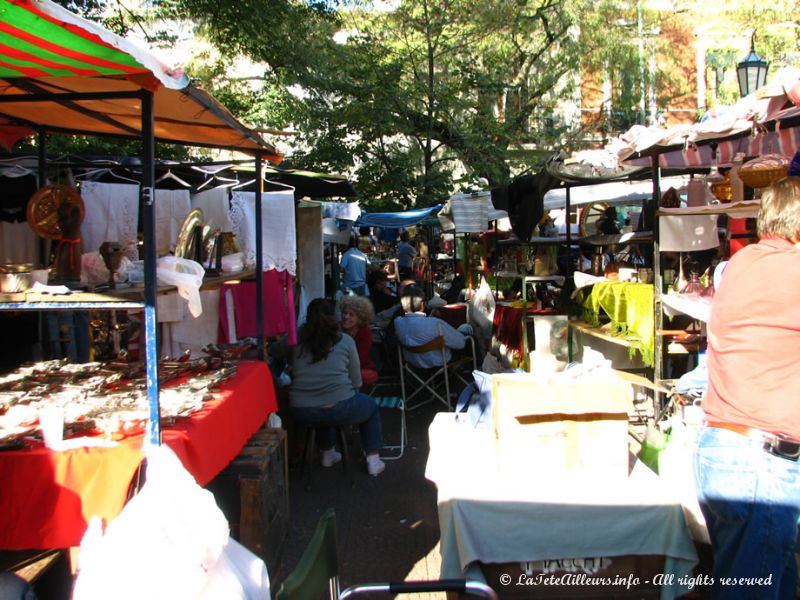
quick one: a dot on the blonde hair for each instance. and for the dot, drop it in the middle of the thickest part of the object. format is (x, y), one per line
(779, 214)
(360, 306)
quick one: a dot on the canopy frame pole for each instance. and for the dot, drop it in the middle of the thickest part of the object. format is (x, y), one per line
(658, 316)
(570, 272)
(41, 176)
(259, 165)
(147, 202)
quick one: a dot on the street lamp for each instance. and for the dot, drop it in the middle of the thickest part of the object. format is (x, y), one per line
(752, 71)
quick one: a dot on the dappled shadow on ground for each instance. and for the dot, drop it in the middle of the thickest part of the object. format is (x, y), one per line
(386, 524)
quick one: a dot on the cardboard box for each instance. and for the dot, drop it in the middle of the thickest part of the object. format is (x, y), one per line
(560, 428)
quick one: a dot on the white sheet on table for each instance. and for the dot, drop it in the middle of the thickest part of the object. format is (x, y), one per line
(480, 511)
(194, 333)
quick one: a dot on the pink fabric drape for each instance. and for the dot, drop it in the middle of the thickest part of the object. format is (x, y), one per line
(278, 304)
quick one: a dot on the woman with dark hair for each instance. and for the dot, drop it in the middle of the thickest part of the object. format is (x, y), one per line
(379, 294)
(326, 377)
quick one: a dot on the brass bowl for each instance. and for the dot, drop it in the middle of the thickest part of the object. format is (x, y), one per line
(722, 190)
(758, 178)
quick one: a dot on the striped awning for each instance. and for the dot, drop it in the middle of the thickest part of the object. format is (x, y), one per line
(62, 73)
(764, 122)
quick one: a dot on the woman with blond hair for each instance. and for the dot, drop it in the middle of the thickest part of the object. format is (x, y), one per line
(357, 312)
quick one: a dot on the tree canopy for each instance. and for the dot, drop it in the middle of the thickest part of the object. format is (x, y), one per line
(415, 99)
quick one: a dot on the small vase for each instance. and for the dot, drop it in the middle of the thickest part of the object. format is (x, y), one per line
(694, 287)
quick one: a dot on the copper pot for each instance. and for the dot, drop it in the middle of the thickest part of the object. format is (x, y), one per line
(15, 277)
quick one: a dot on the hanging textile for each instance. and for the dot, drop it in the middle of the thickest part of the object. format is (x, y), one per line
(18, 243)
(277, 229)
(346, 211)
(111, 213)
(193, 333)
(470, 212)
(523, 199)
(237, 308)
(215, 206)
(171, 208)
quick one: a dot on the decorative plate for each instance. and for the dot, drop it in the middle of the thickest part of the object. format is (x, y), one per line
(43, 206)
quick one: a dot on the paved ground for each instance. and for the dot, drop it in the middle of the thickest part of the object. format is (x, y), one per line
(387, 526)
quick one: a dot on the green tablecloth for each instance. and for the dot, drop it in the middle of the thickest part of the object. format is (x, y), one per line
(630, 308)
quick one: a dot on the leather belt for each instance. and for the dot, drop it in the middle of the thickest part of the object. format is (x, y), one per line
(777, 444)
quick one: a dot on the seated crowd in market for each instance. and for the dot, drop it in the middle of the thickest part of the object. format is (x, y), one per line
(334, 364)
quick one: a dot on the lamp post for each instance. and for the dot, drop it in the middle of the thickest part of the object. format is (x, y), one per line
(751, 70)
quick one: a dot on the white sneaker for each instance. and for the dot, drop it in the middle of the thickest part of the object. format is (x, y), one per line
(331, 457)
(375, 467)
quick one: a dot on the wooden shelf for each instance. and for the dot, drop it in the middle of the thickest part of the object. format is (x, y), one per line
(746, 208)
(604, 333)
(632, 237)
(73, 301)
(129, 298)
(559, 279)
(536, 240)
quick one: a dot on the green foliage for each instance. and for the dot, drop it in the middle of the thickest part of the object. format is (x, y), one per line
(86, 145)
(410, 100)
(435, 96)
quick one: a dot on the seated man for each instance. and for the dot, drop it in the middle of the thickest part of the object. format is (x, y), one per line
(416, 329)
(382, 298)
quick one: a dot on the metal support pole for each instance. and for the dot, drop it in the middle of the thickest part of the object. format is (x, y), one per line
(41, 175)
(658, 316)
(259, 261)
(149, 226)
(567, 217)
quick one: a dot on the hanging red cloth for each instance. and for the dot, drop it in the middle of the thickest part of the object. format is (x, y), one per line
(278, 307)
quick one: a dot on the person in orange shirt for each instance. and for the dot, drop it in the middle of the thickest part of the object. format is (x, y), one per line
(746, 461)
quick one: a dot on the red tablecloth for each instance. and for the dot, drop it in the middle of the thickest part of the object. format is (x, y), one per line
(454, 314)
(47, 498)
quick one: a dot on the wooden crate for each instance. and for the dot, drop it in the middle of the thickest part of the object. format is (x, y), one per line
(253, 493)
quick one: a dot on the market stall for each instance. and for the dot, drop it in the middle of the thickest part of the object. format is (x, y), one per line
(61, 73)
(628, 532)
(91, 476)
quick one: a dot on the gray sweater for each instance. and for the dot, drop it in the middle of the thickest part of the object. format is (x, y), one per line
(335, 378)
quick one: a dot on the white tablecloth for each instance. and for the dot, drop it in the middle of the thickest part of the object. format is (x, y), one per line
(504, 518)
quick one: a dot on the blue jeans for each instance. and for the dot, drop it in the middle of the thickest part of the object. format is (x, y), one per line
(360, 410)
(751, 503)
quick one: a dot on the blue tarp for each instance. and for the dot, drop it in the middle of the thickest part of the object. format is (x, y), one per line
(407, 218)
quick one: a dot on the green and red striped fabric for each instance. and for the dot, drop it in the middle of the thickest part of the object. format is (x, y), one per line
(42, 39)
